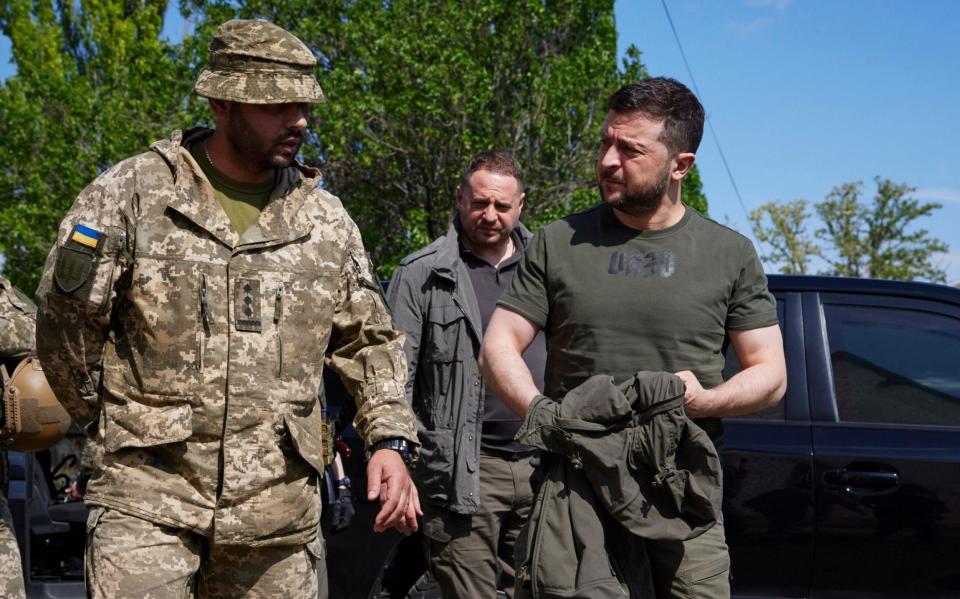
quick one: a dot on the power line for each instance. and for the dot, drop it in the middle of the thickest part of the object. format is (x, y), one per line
(713, 134)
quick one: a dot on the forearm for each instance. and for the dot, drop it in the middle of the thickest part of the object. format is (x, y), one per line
(760, 384)
(373, 370)
(70, 346)
(376, 376)
(750, 390)
(403, 298)
(337, 468)
(368, 355)
(507, 374)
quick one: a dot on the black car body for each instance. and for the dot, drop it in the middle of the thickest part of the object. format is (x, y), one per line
(849, 488)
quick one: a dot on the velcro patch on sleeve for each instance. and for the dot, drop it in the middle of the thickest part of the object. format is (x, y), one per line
(85, 236)
(77, 260)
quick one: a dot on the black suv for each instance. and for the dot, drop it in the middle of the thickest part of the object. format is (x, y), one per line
(849, 488)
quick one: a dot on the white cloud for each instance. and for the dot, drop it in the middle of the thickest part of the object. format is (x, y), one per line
(774, 4)
(939, 194)
(750, 25)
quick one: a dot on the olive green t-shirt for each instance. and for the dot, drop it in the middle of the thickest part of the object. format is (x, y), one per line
(243, 202)
(614, 300)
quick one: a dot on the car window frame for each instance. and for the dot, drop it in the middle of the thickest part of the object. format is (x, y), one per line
(823, 400)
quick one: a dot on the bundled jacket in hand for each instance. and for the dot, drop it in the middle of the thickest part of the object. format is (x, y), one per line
(622, 454)
(195, 354)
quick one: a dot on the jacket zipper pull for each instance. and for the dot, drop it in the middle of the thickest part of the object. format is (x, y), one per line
(203, 301)
(277, 316)
(204, 323)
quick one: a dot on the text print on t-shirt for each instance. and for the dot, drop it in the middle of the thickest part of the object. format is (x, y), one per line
(643, 264)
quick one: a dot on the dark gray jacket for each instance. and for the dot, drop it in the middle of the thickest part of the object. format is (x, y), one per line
(635, 467)
(434, 303)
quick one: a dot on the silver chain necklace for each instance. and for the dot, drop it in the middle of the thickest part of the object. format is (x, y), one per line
(206, 153)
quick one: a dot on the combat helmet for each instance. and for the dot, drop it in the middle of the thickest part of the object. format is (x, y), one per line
(33, 419)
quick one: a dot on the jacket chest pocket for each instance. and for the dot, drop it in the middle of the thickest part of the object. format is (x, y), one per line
(157, 340)
(449, 357)
(448, 337)
(300, 309)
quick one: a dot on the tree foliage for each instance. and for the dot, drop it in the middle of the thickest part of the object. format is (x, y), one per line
(95, 83)
(414, 88)
(692, 190)
(877, 240)
(781, 227)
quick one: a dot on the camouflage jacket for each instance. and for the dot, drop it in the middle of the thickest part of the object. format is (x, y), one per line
(196, 354)
(17, 318)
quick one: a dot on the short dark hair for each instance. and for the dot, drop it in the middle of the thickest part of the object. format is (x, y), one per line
(495, 161)
(667, 99)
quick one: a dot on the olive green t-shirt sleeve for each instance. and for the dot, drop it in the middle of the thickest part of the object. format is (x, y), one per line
(751, 304)
(527, 294)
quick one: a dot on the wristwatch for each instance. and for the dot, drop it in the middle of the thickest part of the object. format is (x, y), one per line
(400, 446)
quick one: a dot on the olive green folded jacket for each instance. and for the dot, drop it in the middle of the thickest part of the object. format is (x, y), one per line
(624, 464)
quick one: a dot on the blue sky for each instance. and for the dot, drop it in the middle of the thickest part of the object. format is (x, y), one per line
(805, 95)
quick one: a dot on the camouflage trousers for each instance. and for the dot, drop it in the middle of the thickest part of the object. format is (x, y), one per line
(130, 557)
(11, 573)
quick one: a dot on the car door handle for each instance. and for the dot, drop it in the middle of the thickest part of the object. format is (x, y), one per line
(862, 482)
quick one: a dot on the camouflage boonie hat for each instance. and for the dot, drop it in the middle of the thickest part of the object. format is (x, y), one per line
(256, 62)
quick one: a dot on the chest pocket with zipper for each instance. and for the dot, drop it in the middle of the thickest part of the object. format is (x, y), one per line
(159, 326)
(300, 307)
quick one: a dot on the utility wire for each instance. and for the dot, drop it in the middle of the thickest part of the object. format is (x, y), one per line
(713, 134)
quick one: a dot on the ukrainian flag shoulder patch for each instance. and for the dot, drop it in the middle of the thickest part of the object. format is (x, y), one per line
(85, 236)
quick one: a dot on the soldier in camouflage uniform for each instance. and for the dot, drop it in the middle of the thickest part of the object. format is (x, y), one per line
(191, 338)
(17, 318)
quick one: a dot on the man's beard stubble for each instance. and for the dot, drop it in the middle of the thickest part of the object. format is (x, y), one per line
(644, 201)
(253, 147)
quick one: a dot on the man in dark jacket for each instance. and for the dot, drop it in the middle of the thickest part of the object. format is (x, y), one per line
(644, 282)
(472, 474)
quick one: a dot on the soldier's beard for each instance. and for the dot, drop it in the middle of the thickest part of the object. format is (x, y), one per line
(643, 201)
(255, 149)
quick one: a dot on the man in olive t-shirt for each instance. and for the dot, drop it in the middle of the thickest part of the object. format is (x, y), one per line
(642, 282)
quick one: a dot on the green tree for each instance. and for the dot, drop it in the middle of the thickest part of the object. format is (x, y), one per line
(414, 88)
(781, 227)
(692, 191)
(877, 240)
(95, 83)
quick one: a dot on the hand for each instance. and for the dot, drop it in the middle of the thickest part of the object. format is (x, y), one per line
(696, 399)
(341, 510)
(389, 480)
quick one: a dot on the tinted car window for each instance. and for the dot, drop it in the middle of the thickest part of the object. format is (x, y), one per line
(732, 367)
(894, 365)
